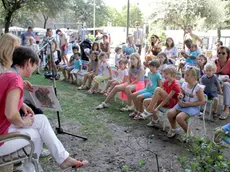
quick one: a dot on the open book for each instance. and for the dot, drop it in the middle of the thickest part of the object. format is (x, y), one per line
(42, 97)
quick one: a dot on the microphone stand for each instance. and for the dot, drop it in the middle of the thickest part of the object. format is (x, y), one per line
(59, 128)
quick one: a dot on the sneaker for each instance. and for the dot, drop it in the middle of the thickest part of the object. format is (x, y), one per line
(127, 108)
(133, 114)
(45, 153)
(153, 123)
(102, 106)
(171, 133)
(81, 88)
(147, 114)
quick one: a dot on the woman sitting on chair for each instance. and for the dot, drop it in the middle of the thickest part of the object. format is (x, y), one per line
(37, 127)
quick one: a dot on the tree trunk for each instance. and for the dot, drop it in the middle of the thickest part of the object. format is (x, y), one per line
(184, 29)
(46, 18)
(45, 22)
(8, 21)
(218, 33)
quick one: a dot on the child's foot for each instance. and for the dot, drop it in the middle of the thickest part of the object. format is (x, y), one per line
(90, 92)
(153, 123)
(127, 108)
(138, 116)
(224, 115)
(215, 116)
(81, 87)
(133, 114)
(171, 133)
(102, 106)
(147, 114)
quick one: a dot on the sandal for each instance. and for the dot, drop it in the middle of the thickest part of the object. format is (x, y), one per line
(224, 115)
(138, 116)
(215, 116)
(90, 92)
(81, 164)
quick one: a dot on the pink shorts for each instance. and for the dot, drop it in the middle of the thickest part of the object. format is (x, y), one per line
(138, 86)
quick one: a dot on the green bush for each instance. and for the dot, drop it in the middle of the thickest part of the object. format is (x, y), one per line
(208, 157)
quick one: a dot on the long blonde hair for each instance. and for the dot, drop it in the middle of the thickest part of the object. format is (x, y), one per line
(137, 56)
(8, 42)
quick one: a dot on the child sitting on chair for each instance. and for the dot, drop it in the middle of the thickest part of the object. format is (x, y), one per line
(77, 66)
(105, 74)
(190, 99)
(135, 83)
(163, 97)
(121, 78)
(190, 58)
(164, 61)
(212, 86)
(92, 70)
(154, 81)
(70, 66)
(201, 62)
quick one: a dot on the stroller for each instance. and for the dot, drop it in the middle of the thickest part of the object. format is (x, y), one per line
(85, 47)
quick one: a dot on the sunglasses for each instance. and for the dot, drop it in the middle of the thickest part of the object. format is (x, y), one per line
(76, 54)
(223, 53)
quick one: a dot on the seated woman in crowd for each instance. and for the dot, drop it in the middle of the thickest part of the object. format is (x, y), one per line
(201, 62)
(154, 49)
(223, 71)
(38, 126)
(170, 50)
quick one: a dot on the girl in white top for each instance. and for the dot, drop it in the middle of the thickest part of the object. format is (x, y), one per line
(122, 76)
(190, 99)
(104, 73)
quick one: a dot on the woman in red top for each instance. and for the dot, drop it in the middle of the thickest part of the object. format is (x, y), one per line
(37, 127)
(163, 97)
(223, 68)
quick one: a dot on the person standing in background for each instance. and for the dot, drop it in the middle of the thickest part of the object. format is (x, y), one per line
(195, 39)
(26, 35)
(63, 45)
(138, 37)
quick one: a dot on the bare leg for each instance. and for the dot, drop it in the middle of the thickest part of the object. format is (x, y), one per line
(159, 94)
(90, 78)
(135, 101)
(128, 90)
(140, 99)
(112, 86)
(172, 117)
(215, 104)
(146, 102)
(108, 85)
(116, 89)
(181, 120)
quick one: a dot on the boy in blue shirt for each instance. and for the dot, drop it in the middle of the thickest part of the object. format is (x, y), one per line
(154, 81)
(70, 66)
(77, 66)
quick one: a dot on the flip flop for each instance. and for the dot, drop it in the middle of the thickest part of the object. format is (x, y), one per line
(81, 164)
